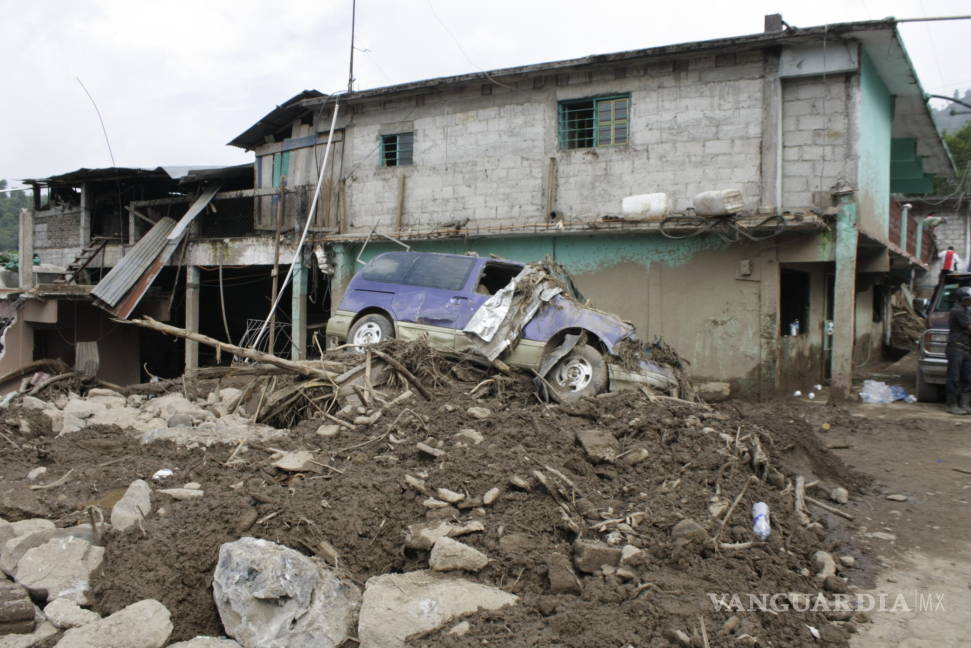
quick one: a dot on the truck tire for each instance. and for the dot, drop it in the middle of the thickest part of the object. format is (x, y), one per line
(580, 373)
(926, 392)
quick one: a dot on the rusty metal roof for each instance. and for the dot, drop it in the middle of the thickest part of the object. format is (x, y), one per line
(276, 119)
(133, 265)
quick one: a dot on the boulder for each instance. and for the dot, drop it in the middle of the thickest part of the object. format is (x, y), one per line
(107, 397)
(146, 624)
(206, 642)
(398, 606)
(714, 392)
(65, 613)
(452, 555)
(83, 409)
(23, 527)
(36, 638)
(18, 502)
(687, 531)
(590, 556)
(479, 413)
(599, 444)
(135, 504)
(59, 568)
(70, 423)
(270, 596)
(56, 417)
(425, 534)
(16, 609)
(561, 576)
(34, 403)
(15, 548)
(166, 406)
(182, 493)
(180, 419)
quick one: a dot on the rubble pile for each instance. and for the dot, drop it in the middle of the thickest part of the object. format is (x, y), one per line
(472, 515)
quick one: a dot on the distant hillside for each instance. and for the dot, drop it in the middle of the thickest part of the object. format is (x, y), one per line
(11, 202)
(949, 123)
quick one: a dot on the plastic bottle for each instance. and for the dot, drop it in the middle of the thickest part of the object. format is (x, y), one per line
(760, 520)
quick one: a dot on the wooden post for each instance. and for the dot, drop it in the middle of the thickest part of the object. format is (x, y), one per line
(85, 232)
(298, 307)
(399, 214)
(26, 249)
(844, 325)
(551, 190)
(342, 207)
(131, 224)
(271, 335)
(191, 317)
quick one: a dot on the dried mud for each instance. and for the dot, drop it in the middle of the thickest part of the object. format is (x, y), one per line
(359, 504)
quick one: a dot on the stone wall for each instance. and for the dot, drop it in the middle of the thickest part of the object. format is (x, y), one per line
(57, 234)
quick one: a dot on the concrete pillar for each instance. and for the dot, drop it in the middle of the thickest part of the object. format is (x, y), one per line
(771, 187)
(26, 248)
(343, 271)
(85, 229)
(191, 317)
(298, 308)
(769, 341)
(844, 307)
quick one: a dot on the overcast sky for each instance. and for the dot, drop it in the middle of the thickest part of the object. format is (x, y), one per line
(176, 80)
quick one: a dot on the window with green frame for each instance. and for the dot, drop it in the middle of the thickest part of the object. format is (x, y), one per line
(281, 167)
(397, 149)
(600, 121)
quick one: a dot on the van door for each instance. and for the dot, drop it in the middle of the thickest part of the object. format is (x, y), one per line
(436, 294)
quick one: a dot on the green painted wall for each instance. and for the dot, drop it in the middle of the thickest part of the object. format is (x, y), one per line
(875, 134)
(578, 254)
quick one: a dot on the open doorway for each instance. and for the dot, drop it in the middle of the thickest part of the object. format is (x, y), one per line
(794, 298)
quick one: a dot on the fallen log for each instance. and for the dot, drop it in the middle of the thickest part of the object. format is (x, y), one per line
(400, 368)
(301, 368)
(50, 365)
(51, 381)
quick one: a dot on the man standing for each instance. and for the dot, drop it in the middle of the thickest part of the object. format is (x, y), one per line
(959, 354)
(949, 261)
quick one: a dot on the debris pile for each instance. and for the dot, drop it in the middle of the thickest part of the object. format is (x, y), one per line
(417, 501)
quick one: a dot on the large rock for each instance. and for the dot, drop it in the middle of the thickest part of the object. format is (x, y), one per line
(206, 642)
(166, 406)
(135, 504)
(591, 555)
(16, 609)
(714, 392)
(397, 606)
(15, 548)
(561, 576)
(599, 444)
(18, 502)
(44, 630)
(10, 530)
(451, 555)
(145, 624)
(270, 596)
(65, 613)
(83, 409)
(60, 568)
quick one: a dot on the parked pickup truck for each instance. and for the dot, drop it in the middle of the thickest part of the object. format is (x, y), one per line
(932, 365)
(474, 304)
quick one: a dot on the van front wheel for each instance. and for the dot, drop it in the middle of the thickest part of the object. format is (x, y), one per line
(582, 372)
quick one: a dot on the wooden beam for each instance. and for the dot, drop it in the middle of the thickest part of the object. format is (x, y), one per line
(302, 368)
(399, 214)
(223, 195)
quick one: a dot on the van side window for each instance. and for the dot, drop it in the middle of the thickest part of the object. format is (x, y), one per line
(495, 277)
(389, 268)
(442, 272)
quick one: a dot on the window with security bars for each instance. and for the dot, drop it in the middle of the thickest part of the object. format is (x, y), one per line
(398, 149)
(602, 121)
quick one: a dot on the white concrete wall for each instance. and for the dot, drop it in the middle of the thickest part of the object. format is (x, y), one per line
(816, 139)
(695, 125)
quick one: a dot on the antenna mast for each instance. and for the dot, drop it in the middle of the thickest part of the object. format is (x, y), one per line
(350, 73)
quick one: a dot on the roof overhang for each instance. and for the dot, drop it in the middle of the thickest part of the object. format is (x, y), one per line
(280, 117)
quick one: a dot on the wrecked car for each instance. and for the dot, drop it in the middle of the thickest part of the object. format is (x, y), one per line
(526, 315)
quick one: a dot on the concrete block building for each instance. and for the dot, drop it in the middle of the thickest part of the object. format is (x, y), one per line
(822, 125)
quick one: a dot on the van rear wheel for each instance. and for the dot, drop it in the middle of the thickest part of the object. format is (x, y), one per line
(370, 329)
(580, 373)
(926, 392)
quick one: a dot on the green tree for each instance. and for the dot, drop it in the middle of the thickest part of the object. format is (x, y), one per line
(960, 145)
(11, 202)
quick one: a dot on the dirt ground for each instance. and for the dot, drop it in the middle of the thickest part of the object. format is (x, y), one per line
(356, 499)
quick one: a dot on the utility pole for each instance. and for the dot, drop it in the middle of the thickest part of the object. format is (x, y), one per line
(350, 73)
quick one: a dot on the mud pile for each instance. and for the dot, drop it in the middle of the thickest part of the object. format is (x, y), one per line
(616, 520)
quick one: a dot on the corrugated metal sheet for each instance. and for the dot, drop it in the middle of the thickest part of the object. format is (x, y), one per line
(123, 276)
